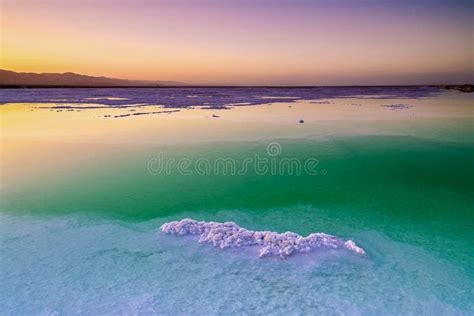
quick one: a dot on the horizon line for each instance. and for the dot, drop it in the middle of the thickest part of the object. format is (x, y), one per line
(156, 83)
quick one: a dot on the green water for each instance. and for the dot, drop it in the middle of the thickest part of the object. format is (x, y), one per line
(85, 239)
(413, 190)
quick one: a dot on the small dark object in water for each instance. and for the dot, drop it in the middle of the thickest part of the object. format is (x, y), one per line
(301, 121)
(213, 115)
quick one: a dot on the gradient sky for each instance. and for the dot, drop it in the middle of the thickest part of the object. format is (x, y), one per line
(243, 42)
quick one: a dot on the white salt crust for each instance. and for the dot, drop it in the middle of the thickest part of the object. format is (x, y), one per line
(231, 235)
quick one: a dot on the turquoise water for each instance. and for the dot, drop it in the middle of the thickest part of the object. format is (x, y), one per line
(94, 244)
(78, 265)
(88, 240)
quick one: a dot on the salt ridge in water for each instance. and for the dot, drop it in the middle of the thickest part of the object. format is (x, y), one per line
(231, 235)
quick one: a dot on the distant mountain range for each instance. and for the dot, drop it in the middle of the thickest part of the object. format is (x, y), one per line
(69, 79)
(12, 79)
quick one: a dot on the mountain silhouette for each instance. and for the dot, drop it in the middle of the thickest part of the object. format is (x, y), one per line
(69, 79)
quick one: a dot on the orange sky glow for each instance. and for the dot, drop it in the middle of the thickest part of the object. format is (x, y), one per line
(243, 42)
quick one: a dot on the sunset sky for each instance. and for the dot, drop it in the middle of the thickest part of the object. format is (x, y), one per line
(243, 42)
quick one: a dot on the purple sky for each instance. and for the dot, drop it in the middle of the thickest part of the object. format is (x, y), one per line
(244, 42)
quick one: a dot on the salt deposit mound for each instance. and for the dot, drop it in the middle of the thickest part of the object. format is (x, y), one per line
(231, 235)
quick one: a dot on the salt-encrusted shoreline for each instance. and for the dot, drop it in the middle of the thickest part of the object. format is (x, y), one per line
(231, 235)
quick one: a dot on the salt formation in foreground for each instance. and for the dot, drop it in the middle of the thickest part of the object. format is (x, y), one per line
(230, 235)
